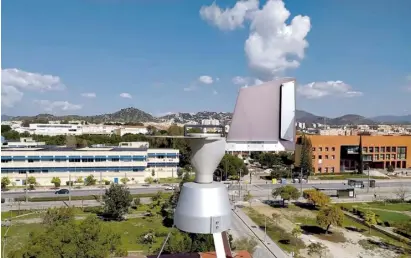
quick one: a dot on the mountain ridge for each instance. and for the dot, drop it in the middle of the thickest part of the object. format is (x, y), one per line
(134, 115)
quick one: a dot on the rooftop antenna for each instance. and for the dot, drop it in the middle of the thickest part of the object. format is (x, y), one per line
(262, 113)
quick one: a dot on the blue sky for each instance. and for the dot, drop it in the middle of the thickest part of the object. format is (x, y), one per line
(79, 56)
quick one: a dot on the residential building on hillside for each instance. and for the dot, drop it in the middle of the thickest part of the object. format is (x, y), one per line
(134, 161)
(131, 129)
(333, 154)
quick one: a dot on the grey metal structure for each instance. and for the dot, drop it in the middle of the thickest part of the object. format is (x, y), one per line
(262, 113)
(265, 113)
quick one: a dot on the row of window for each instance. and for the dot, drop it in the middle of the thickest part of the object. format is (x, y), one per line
(382, 156)
(400, 150)
(326, 170)
(325, 148)
(31, 159)
(79, 169)
(325, 156)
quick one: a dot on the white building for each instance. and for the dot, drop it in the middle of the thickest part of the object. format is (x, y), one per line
(105, 163)
(26, 142)
(99, 129)
(128, 129)
(210, 122)
(54, 129)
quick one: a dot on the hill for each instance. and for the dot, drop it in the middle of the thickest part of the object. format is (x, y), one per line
(134, 115)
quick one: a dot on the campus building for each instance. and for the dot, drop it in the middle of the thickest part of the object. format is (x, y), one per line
(134, 161)
(333, 154)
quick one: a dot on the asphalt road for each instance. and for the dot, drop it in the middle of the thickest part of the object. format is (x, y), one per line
(75, 192)
(154, 189)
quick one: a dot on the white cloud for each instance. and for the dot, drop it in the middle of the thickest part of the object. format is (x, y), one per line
(205, 79)
(126, 95)
(246, 81)
(15, 82)
(317, 90)
(51, 106)
(10, 95)
(230, 18)
(272, 46)
(88, 95)
(190, 88)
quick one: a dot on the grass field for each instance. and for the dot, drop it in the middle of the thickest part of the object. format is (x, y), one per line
(130, 230)
(381, 205)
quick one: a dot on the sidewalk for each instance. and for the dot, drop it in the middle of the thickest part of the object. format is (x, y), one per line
(269, 243)
(46, 205)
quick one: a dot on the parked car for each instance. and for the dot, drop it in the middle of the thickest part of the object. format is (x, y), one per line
(171, 187)
(62, 191)
(147, 185)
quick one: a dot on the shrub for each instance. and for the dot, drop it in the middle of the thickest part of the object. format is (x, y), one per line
(387, 224)
(96, 209)
(107, 182)
(71, 183)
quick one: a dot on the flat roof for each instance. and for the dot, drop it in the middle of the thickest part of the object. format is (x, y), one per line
(64, 148)
(340, 187)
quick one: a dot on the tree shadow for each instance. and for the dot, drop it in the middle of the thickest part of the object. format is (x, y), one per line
(312, 230)
(304, 205)
(355, 229)
(388, 246)
(336, 237)
(275, 203)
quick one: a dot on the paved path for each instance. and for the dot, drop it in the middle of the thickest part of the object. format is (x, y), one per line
(269, 244)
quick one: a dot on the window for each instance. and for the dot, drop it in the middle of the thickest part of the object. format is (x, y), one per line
(326, 170)
(319, 170)
(332, 169)
(326, 148)
(74, 159)
(388, 149)
(371, 149)
(364, 149)
(313, 148)
(320, 156)
(387, 156)
(402, 152)
(326, 156)
(332, 156)
(382, 149)
(393, 156)
(376, 157)
(377, 149)
(320, 148)
(381, 156)
(332, 148)
(393, 149)
(313, 156)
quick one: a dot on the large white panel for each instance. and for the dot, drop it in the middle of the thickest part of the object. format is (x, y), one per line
(287, 128)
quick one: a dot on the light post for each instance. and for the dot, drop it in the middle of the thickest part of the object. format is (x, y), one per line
(26, 192)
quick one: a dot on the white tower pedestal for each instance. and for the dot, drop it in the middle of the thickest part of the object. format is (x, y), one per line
(203, 206)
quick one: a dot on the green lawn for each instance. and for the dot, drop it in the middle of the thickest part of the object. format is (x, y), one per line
(343, 176)
(130, 230)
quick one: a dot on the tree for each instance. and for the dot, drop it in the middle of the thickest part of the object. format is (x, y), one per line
(248, 197)
(328, 216)
(296, 232)
(56, 181)
(401, 192)
(390, 168)
(317, 249)
(306, 160)
(5, 181)
(54, 216)
(117, 200)
(245, 243)
(369, 219)
(180, 173)
(360, 158)
(232, 164)
(317, 198)
(66, 238)
(90, 180)
(5, 128)
(149, 180)
(287, 192)
(124, 180)
(153, 173)
(31, 181)
(79, 180)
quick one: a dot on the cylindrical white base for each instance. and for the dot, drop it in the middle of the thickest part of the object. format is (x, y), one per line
(203, 208)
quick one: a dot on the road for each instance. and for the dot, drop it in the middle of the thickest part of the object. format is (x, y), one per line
(258, 188)
(76, 192)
